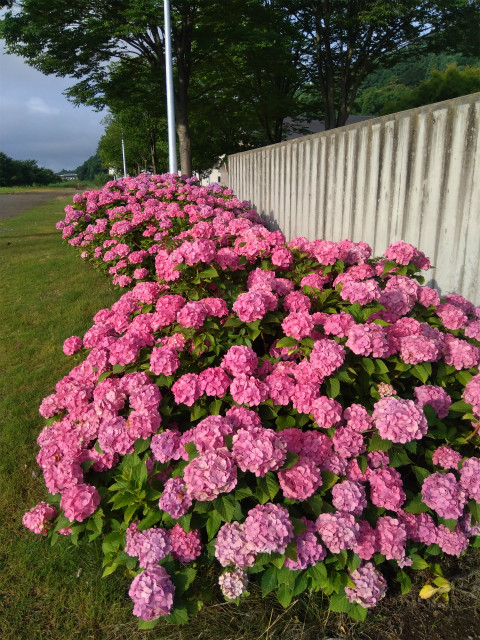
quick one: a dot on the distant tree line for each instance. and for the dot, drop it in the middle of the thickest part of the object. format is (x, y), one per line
(23, 173)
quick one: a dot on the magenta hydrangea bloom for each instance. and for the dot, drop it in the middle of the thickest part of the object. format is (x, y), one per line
(368, 339)
(327, 356)
(326, 412)
(446, 458)
(470, 478)
(386, 488)
(258, 450)
(79, 502)
(442, 493)
(72, 345)
(187, 389)
(349, 497)
(232, 546)
(251, 306)
(370, 586)
(164, 360)
(167, 446)
(401, 252)
(471, 394)
(152, 593)
(175, 499)
(453, 542)
(338, 530)
(269, 527)
(149, 546)
(298, 325)
(210, 474)
(249, 390)
(214, 381)
(347, 442)
(435, 396)
(300, 481)
(185, 546)
(37, 518)
(391, 538)
(309, 549)
(399, 420)
(357, 418)
(233, 583)
(366, 541)
(240, 359)
(451, 316)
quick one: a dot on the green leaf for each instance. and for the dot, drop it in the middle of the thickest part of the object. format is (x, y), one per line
(284, 595)
(129, 512)
(213, 524)
(148, 624)
(225, 505)
(141, 445)
(191, 449)
(290, 460)
(183, 579)
(357, 612)
(179, 615)
(368, 365)
(104, 375)
(301, 583)
(328, 480)
(299, 526)
(215, 407)
(388, 265)
(420, 372)
(269, 485)
(405, 582)
(197, 412)
(243, 492)
(285, 422)
(269, 581)
(380, 366)
(118, 368)
(291, 551)
(420, 474)
(398, 457)
(333, 387)
(339, 603)
(316, 504)
(377, 443)
(474, 509)
(211, 272)
(461, 407)
(362, 463)
(418, 562)
(318, 574)
(109, 569)
(286, 342)
(415, 505)
(463, 377)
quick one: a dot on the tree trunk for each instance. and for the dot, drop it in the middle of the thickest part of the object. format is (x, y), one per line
(184, 141)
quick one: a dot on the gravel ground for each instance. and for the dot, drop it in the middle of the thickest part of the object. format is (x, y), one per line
(14, 204)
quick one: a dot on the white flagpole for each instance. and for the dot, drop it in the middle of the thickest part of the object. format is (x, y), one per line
(172, 146)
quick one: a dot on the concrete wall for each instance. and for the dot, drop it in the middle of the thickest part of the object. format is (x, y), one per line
(412, 176)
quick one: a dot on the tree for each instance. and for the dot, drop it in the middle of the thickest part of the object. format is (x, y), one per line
(91, 169)
(442, 85)
(348, 39)
(23, 173)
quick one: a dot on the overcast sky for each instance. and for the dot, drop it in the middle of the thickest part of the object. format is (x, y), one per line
(37, 122)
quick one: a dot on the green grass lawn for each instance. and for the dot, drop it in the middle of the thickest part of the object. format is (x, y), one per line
(48, 294)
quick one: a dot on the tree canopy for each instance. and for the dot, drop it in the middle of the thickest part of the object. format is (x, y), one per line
(24, 173)
(241, 66)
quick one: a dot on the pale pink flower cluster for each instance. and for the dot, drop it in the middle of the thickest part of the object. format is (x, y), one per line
(240, 359)
(152, 592)
(233, 583)
(37, 519)
(79, 501)
(368, 339)
(471, 394)
(300, 481)
(164, 360)
(149, 546)
(258, 450)
(269, 527)
(249, 390)
(391, 536)
(386, 488)
(470, 478)
(327, 356)
(232, 546)
(435, 396)
(298, 324)
(446, 457)
(349, 497)
(442, 493)
(337, 530)
(175, 499)
(370, 586)
(210, 474)
(399, 420)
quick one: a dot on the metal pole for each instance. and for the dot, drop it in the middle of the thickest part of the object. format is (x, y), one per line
(124, 163)
(172, 145)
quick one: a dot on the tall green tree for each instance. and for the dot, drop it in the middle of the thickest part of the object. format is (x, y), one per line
(346, 40)
(24, 173)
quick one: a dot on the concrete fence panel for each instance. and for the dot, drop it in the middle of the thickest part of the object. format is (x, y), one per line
(412, 176)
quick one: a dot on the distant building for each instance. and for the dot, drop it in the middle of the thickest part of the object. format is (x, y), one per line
(67, 175)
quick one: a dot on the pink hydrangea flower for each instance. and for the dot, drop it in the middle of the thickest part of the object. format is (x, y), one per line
(232, 546)
(185, 546)
(149, 546)
(152, 593)
(37, 518)
(210, 474)
(401, 252)
(338, 530)
(368, 339)
(187, 389)
(361, 292)
(175, 499)
(300, 481)
(327, 356)
(370, 586)
(470, 478)
(338, 324)
(233, 583)
(249, 390)
(357, 418)
(391, 538)
(399, 420)
(326, 412)
(347, 442)
(446, 457)
(72, 345)
(251, 306)
(214, 381)
(297, 302)
(460, 353)
(258, 450)
(298, 325)
(309, 549)
(269, 527)
(366, 541)
(453, 543)
(240, 359)
(281, 257)
(79, 502)
(471, 394)
(442, 493)
(451, 316)
(435, 396)
(349, 497)
(386, 488)
(164, 360)
(281, 388)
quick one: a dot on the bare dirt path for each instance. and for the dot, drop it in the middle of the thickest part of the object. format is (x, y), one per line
(14, 204)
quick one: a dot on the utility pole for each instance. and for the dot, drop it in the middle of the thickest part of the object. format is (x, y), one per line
(123, 157)
(172, 145)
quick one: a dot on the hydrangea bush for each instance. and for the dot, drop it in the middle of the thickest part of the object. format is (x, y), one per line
(299, 415)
